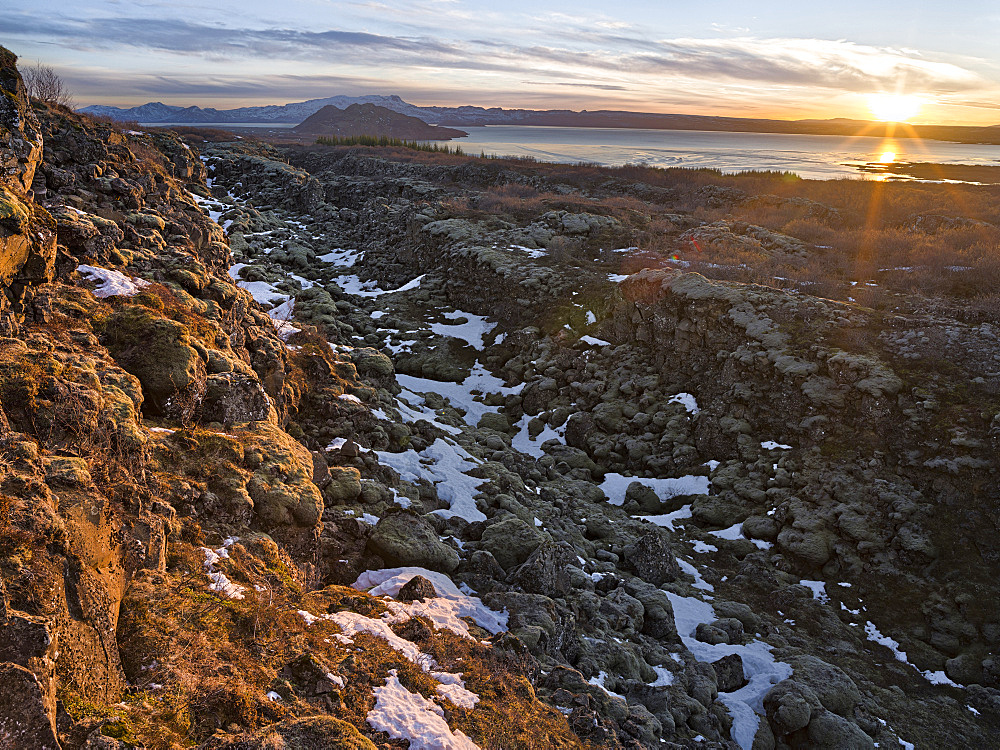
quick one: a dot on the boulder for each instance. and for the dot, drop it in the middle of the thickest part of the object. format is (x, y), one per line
(372, 363)
(548, 570)
(732, 627)
(511, 541)
(827, 731)
(417, 589)
(66, 471)
(344, 485)
(494, 421)
(643, 496)
(729, 673)
(405, 538)
(623, 612)
(789, 707)
(159, 352)
(652, 559)
(710, 634)
(739, 611)
(831, 685)
(658, 617)
(231, 398)
(281, 488)
(812, 547)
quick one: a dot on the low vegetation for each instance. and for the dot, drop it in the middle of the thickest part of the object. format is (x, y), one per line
(387, 142)
(864, 241)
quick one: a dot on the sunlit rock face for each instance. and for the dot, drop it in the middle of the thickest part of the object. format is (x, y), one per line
(20, 134)
(27, 236)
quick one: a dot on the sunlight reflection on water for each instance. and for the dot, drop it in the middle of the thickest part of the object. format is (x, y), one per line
(821, 157)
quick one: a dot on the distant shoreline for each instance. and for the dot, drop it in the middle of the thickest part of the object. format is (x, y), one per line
(943, 133)
(930, 171)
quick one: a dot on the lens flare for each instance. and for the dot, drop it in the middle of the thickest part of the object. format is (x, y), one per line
(894, 107)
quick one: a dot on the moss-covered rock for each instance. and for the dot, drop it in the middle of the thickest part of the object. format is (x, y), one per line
(406, 539)
(159, 352)
(511, 541)
(344, 485)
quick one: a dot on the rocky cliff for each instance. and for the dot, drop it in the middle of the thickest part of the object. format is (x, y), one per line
(321, 448)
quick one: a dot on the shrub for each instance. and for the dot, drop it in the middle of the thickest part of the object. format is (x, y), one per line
(44, 85)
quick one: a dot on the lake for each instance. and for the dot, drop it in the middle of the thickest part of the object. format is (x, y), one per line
(819, 157)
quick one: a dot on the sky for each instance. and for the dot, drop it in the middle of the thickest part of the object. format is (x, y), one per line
(789, 60)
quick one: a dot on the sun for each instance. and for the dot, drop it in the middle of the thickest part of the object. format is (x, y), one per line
(894, 107)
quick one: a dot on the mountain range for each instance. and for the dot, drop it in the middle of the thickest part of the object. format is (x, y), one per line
(464, 116)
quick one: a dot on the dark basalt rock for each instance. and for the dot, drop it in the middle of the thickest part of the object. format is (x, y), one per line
(417, 589)
(652, 558)
(729, 673)
(231, 399)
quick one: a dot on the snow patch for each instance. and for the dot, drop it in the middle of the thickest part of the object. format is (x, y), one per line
(409, 716)
(444, 464)
(770, 445)
(735, 532)
(445, 610)
(532, 446)
(876, 636)
(479, 381)
(819, 590)
(599, 682)
(220, 583)
(471, 331)
(352, 284)
(664, 677)
(667, 520)
(615, 485)
(530, 252)
(686, 400)
(262, 292)
(759, 666)
(112, 283)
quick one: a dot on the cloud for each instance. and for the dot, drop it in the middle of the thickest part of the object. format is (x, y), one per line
(608, 57)
(812, 62)
(601, 86)
(95, 83)
(820, 63)
(187, 37)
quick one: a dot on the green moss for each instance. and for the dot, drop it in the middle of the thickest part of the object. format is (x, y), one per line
(7, 58)
(13, 213)
(156, 350)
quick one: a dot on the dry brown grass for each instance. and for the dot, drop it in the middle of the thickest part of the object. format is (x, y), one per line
(202, 662)
(869, 232)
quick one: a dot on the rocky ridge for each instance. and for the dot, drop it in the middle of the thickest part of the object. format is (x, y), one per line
(257, 383)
